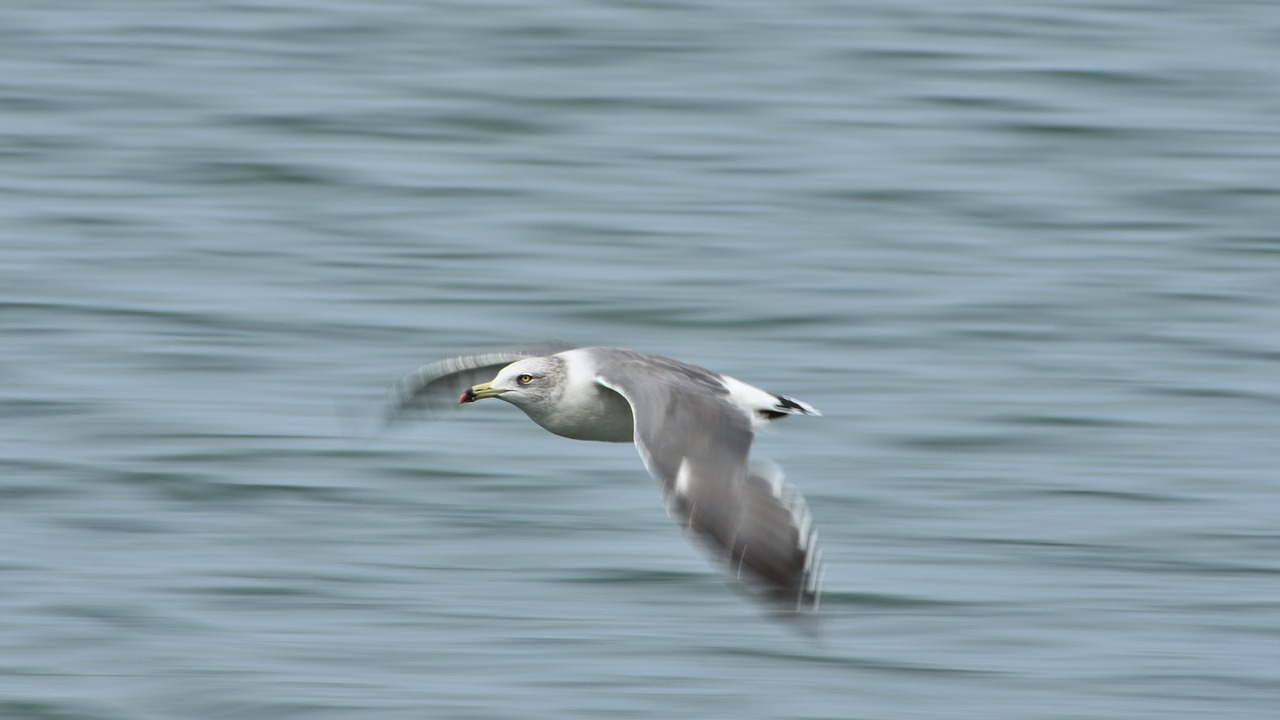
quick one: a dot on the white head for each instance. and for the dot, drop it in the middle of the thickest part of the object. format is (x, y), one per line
(531, 384)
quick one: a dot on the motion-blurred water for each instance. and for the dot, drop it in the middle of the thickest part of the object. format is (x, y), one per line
(1024, 256)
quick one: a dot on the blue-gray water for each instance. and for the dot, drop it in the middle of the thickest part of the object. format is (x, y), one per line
(1024, 256)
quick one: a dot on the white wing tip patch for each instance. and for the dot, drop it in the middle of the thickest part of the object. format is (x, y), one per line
(684, 476)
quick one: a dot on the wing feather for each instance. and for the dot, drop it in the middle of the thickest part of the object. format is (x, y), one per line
(696, 444)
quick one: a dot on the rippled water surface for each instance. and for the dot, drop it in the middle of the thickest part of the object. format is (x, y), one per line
(1024, 257)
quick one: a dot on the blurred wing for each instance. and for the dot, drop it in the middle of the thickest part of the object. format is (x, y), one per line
(695, 443)
(777, 530)
(436, 386)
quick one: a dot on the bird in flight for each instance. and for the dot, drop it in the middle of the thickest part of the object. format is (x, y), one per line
(693, 429)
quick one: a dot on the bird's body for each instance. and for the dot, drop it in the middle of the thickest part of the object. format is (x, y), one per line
(692, 427)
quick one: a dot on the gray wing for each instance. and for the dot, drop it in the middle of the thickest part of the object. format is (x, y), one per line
(696, 444)
(436, 386)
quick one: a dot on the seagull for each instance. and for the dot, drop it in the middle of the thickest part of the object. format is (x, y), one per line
(693, 429)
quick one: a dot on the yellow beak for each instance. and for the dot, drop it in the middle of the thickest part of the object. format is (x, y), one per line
(479, 392)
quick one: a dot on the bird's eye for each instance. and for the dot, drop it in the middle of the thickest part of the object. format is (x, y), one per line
(525, 379)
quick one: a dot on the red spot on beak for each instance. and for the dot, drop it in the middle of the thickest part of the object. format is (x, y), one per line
(468, 396)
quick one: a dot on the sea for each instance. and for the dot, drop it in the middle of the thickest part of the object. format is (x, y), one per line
(1024, 256)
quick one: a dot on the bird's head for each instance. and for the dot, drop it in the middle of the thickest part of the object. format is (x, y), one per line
(531, 381)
